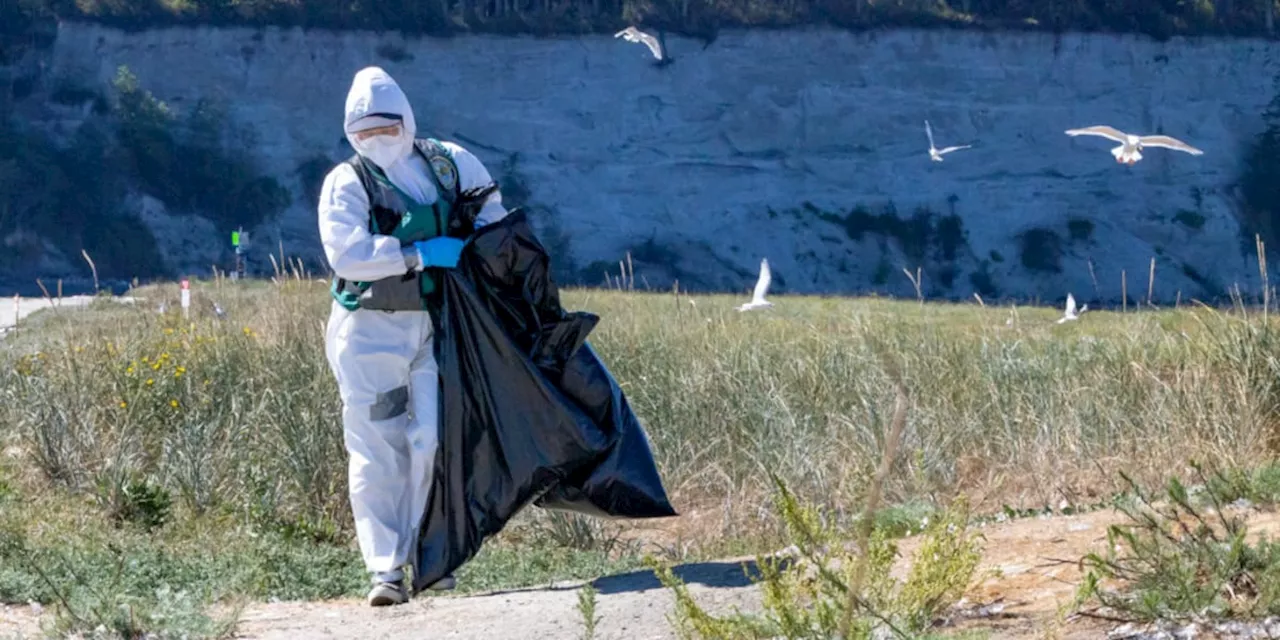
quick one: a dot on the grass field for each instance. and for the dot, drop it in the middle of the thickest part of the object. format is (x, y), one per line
(205, 456)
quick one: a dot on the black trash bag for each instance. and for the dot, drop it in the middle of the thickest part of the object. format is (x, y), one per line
(506, 435)
(626, 483)
(509, 433)
(519, 291)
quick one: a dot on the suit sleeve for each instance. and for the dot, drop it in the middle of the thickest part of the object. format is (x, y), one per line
(352, 251)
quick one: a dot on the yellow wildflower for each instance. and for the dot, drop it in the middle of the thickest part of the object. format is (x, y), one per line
(150, 382)
(173, 403)
(123, 404)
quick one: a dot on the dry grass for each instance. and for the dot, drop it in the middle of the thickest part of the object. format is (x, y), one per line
(1024, 414)
(1005, 405)
(208, 426)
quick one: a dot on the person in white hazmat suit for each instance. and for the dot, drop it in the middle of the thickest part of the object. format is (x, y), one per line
(382, 215)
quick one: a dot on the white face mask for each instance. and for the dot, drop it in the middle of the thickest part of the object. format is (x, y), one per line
(384, 151)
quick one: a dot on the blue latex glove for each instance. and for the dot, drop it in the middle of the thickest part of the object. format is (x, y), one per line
(439, 252)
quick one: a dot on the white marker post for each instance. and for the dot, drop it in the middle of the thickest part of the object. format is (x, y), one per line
(186, 297)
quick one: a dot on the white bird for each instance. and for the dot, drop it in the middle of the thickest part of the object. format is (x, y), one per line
(1071, 313)
(1130, 145)
(218, 311)
(632, 34)
(762, 285)
(935, 153)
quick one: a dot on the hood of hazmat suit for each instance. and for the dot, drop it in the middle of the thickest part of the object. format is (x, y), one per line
(529, 412)
(375, 100)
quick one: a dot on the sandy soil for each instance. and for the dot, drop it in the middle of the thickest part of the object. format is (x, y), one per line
(1029, 571)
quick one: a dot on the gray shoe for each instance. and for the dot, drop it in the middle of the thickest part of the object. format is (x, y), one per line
(446, 583)
(387, 593)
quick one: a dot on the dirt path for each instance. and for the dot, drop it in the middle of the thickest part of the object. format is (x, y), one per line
(1035, 560)
(628, 606)
(1028, 568)
(13, 310)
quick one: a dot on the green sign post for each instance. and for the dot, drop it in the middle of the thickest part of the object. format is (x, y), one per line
(235, 242)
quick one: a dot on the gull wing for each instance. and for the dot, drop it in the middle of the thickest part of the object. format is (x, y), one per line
(1071, 305)
(929, 131)
(653, 44)
(632, 34)
(950, 149)
(1100, 130)
(762, 283)
(1169, 143)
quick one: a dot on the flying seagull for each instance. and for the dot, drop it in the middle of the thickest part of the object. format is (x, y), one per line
(1130, 145)
(632, 34)
(935, 153)
(762, 285)
(1071, 313)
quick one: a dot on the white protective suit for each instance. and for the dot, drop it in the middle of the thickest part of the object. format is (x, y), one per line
(383, 361)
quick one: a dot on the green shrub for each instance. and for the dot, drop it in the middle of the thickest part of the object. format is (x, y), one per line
(1041, 250)
(951, 236)
(982, 281)
(1180, 560)
(1260, 181)
(393, 53)
(1080, 229)
(699, 17)
(72, 197)
(923, 237)
(311, 173)
(1190, 218)
(185, 163)
(808, 596)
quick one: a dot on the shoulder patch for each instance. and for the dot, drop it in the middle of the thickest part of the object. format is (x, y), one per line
(442, 165)
(445, 172)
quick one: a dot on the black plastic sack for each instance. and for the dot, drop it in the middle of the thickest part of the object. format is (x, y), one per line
(528, 412)
(625, 484)
(518, 290)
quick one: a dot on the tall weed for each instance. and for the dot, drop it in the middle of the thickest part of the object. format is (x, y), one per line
(835, 590)
(241, 415)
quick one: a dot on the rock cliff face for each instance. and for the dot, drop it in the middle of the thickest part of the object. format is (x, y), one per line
(806, 147)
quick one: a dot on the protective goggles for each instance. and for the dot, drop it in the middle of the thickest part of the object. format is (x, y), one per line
(379, 124)
(393, 130)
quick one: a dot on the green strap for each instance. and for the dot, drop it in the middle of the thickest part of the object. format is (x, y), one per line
(419, 222)
(444, 200)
